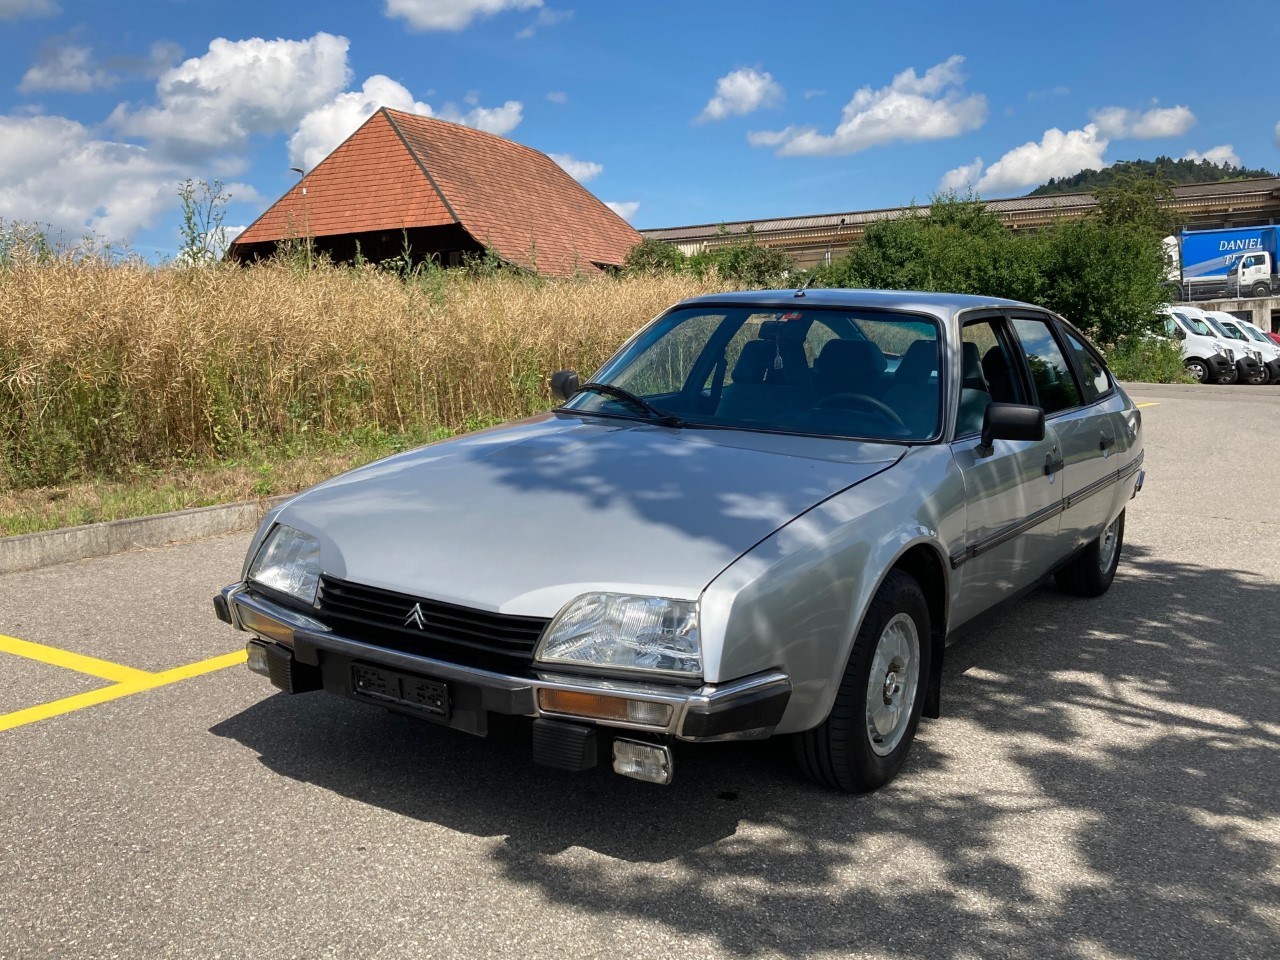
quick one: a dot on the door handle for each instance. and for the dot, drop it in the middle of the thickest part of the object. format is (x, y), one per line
(1052, 466)
(1107, 442)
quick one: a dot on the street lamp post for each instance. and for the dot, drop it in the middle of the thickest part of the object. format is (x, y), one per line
(306, 215)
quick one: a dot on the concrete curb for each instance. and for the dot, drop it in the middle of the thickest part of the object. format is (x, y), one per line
(31, 550)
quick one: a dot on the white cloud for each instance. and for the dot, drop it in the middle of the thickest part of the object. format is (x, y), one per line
(498, 120)
(451, 14)
(239, 88)
(741, 92)
(321, 130)
(1224, 154)
(546, 18)
(962, 178)
(558, 97)
(771, 138)
(626, 209)
(17, 9)
(68, 68)
(580, 170)
(1117, 122)
(52, 171)
(1057, 154)
(912, 108)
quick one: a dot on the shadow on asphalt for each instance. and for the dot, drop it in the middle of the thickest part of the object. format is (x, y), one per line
(1145, 721)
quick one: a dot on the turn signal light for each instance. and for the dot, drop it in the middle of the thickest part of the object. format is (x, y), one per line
(600, 707)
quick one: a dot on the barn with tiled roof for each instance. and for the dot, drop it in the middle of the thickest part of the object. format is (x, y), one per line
(449, 192)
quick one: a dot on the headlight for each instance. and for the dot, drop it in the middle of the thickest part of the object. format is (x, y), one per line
(626, 633)
(288, 561)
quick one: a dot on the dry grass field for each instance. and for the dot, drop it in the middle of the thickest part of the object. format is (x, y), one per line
(203, 385)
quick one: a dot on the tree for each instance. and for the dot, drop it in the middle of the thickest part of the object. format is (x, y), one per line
(204, 214)
(1140, 200)
(1106, 277)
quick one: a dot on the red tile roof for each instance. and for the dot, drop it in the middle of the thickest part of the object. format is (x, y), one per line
(400, 170)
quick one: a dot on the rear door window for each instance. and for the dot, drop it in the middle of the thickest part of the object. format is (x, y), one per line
(1055, 384)
(1094, 381)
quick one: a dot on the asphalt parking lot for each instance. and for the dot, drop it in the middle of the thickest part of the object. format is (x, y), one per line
(1103, 783)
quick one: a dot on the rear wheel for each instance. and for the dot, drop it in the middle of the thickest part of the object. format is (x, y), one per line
(1198, 369)
(1091, 572)
(866, 737)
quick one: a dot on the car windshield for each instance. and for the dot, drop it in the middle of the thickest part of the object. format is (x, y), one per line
(1224, 329)
(1195, 324)
(1254, 333)
(815, 371)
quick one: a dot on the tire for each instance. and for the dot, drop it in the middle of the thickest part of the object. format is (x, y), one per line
(1198, 369)
(1091, 572)
(1260, 290)
(841, 753)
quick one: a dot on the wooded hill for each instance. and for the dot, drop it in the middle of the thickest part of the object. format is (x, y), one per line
(1167, 168)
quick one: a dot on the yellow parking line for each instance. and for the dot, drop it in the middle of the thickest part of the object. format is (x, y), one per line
(144, 681)
(1149, 403)
(102, 669)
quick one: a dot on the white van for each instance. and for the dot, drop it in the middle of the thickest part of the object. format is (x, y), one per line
(1206, 358)
(1249, 365)
(1264, 350)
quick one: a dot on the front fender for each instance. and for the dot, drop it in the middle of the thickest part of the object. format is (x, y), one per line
(796, 600)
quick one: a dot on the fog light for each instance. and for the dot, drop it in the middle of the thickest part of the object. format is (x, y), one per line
(599, 707)
(643, 761)
(257, 653)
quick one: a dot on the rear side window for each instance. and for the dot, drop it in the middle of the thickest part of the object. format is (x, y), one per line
(1055, 384)
(1094, 381)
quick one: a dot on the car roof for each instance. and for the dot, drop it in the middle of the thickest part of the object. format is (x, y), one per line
(942, 305)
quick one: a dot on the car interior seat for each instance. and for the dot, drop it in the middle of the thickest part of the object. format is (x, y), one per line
(975, 391)
(911, 395)
(849, 366)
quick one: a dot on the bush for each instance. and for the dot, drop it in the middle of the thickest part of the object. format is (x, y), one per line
(1147, 359)
(1104, 277)
(741, 263)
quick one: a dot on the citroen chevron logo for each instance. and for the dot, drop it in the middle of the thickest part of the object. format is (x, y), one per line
(416, 618)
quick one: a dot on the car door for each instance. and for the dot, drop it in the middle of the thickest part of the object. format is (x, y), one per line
(1081, 416)
(1012, 490)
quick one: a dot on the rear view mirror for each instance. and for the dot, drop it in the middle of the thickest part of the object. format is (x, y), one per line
(564, 384)
(1011, 421)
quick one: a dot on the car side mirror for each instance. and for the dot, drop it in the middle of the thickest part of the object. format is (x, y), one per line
(1180, 333)
(564, 384)
(1010, 421)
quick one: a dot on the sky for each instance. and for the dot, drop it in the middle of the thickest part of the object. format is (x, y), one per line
(674, 113)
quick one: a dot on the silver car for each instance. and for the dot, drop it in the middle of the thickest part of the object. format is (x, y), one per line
(767, 514)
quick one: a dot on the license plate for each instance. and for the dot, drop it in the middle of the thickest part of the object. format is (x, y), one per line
(390, 687)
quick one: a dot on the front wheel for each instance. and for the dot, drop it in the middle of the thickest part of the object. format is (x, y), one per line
(1261, 290)
(866, 737)
(1091, 572)
(1199, 370)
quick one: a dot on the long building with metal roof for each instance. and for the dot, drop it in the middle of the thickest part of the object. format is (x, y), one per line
(811, 239)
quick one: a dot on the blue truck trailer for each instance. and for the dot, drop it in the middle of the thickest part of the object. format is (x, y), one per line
(1239, 261)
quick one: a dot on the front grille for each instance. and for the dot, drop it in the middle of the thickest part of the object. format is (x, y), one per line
(473, 638)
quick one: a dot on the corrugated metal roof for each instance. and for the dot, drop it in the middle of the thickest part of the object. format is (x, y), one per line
(1044, 205)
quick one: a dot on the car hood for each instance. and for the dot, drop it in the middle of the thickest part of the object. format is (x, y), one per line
(522, 518)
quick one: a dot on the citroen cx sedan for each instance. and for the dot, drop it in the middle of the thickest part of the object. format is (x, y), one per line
(764, 516)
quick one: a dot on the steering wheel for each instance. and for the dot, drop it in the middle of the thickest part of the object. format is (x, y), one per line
(848, 400)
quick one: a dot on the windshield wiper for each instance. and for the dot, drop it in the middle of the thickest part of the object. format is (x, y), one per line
(640, 403)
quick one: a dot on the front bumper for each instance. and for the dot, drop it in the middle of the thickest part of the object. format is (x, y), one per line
(1273, 370)
(306, 655)
(1247, 368)
(1220, 368)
